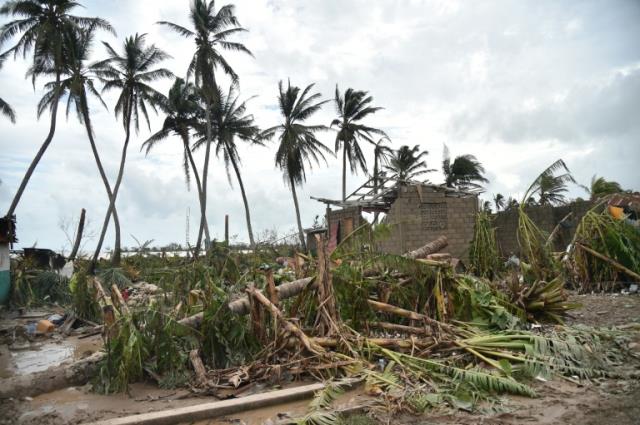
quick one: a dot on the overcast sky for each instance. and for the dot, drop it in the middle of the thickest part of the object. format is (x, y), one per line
(518, 84)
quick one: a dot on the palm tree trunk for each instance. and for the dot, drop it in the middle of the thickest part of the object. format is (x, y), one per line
(185, 140)
(41, 151)
(246, 203)
(105, 224)
(205, 173)
(344, 171)
(375, 184)
(295, 202)
(103, 175)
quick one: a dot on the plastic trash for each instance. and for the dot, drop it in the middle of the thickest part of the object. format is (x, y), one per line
(56, 319)
(44, 327)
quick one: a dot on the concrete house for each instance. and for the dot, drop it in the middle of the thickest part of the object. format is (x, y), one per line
(416, 212)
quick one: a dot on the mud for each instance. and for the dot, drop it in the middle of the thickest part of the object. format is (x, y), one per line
(602, 401)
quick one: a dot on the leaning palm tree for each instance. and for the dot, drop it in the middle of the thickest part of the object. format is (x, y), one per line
(230, 121)
(211, 31)
(77, 81)
(499, 201)
(600, 187)
(182, 108)
(45, 25)
(298, 143)
(464, 173)
(130, 72)
(353, 107)
(407, 163)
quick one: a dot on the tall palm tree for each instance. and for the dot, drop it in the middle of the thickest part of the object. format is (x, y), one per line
(464, 173)
(381, 155)
(76, 84)
(407, 163)
(298, 143)
(549, 185)
(353, 107)
(182, 109)
(130, 72)
(230, 121)
(498, 201)
(211, 31)
(600, 187)
(45, 25)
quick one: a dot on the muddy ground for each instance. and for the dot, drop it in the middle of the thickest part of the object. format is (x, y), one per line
(602, 401)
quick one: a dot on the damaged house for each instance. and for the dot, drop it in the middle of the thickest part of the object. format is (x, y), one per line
(415, 212)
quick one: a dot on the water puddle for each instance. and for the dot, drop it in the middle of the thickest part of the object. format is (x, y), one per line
(42, 358)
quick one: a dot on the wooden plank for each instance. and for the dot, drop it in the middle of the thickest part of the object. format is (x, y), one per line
(216, 408)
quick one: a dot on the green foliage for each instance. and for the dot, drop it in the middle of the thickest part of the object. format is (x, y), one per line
(148, 340)
(608, 236)
(83, 296)
(483, 252)
(31, 287)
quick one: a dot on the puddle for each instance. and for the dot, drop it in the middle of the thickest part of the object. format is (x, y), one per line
(44, 357)
(41, 356)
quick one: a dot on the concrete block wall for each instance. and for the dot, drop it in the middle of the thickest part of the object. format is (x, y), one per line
(421, 214)
(546, 218)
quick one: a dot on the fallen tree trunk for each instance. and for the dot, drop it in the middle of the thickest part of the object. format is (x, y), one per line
(289, 327)
(430, 248)
(242, 306)
(392, 309)
(400, 328)
(52, 379)
(611, 262)
(381, 342)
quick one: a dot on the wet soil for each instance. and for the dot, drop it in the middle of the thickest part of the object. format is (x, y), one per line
(603, 401)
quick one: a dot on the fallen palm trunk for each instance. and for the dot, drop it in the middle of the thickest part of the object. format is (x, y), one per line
(401, 343)
(52, 379)
(400, 328)
(430, 248)
(388, 308)
(242, 306)
(290, 327)
(611, 262)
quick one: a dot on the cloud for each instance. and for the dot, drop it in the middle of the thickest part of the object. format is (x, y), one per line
(518, 84)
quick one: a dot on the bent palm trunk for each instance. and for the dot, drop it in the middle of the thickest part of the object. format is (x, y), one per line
(295, 202)
(39, 154)
(185, 140)
(246, 204)
(114, 196)
(205, 173)
(344, 172)
(103, 175)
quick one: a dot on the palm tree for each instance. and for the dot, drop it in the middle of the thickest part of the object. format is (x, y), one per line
(353, 107)
(464, 173)
(407, 163)
(5, 108)
(131, 72)
(211, 31)
(7, 111)
(230, 121)
(498, 201)
(182, 109)
(381, 156)
(45, 25)
(600, 187)
(297, 142)
(549, 186)
(77, 82)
